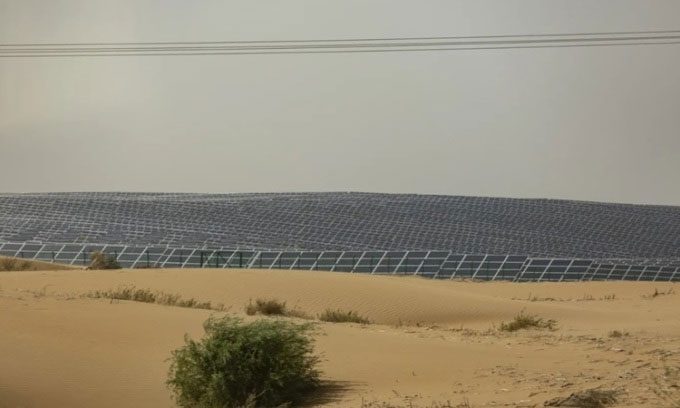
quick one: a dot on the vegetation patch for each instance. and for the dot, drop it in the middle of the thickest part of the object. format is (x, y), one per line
(593, 398)
(525, 321)
(147, 296)
(265, 363)
(340, 316)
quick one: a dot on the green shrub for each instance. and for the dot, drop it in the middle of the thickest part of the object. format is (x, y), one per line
(525, 321)
(264, 363)
(102, 261)
(339, 316)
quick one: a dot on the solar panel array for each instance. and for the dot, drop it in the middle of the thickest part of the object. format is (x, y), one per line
(432, 264)
(434, 236)
(346, 221)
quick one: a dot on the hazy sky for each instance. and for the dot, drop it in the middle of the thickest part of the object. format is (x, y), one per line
(583, 123)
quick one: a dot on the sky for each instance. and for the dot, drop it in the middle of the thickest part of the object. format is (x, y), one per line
(600, 123)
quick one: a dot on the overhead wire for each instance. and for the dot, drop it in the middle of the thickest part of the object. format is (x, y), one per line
(331, 51)
(358, 45)
(609, 33)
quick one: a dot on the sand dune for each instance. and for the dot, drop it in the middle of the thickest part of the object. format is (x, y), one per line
(431, 341)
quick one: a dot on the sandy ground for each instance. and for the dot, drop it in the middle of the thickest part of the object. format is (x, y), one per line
(431, 341)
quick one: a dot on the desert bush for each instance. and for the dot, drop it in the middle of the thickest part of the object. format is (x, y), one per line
(526, 321)
(101, 260)
(264, 363)
(340, 316)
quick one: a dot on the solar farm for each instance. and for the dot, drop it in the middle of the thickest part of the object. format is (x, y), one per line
(443, 237)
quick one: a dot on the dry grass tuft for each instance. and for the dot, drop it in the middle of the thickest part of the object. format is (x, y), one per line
(658, 293)
(273, 307)
(9, 264)
(410, 403)
(340, 316)
(267, 307)
(147, 296)
(14, 264)
(526, 321)
(593, 398)
(585, 298)
(618, 334)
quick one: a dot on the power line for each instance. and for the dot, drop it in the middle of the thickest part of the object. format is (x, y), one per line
(332, 51)
(597, 33)
(382, 44)
(363, 45)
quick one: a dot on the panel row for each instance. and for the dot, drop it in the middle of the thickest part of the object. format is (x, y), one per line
(432, 264)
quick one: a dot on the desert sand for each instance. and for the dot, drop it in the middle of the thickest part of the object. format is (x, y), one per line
(430, 342)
